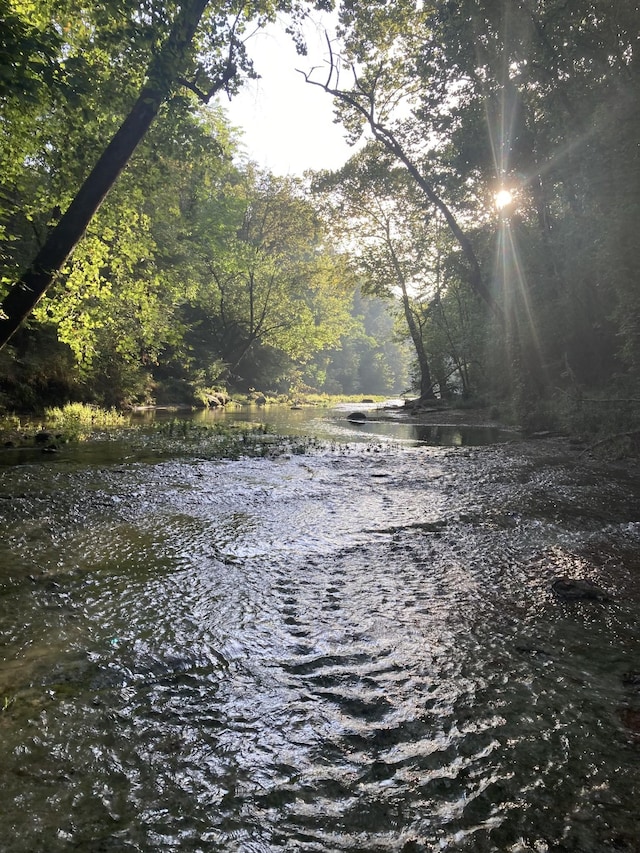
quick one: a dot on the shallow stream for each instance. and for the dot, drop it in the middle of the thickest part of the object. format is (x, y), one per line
(356, 648)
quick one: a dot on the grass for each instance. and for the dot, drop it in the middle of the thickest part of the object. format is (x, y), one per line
(60, 425)
(306, 399)
(78, 421)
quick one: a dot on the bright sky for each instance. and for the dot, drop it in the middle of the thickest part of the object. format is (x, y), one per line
(288, 124)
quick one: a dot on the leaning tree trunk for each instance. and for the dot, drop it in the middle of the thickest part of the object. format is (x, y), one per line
(62, 240)
(363, 102)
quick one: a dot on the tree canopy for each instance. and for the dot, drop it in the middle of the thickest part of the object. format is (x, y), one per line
(537, 99)
(195, 269)
(189, 267)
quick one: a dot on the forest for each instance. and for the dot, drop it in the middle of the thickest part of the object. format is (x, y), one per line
(480, 245)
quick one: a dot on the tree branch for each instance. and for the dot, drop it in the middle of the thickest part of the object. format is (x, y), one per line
(386, 137)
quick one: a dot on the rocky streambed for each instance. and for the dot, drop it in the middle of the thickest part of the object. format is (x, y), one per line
(367, 647)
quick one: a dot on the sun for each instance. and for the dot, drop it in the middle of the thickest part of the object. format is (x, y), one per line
(502, 199)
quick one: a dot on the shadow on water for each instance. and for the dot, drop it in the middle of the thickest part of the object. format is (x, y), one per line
(436, 435)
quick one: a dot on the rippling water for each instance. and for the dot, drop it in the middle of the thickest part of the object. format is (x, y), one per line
(350, 650)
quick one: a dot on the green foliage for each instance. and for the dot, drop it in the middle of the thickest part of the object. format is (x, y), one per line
(9, 423)
(60, 425)
(69, 74)
(369, 360)
(194, 272)
(78, 421)
(271, 292)
(467, 97)
(37, 371)
(374, 204)
(197, 273)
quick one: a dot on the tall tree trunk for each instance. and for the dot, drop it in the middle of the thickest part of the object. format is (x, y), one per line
(415, 331)
(62, 240)
(426, 382)
(363, 102)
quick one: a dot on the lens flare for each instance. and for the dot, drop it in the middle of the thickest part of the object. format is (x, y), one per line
(502, 199)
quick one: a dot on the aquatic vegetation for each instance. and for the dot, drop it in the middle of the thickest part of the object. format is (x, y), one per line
(74, 415)
(188, 427)
(174, 437)
(222, 440)
(61, 424)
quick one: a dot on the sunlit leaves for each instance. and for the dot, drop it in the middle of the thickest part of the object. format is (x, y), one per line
(182, 230)
(275, 283)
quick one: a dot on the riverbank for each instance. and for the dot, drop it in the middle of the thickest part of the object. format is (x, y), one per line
(446, 414)
(240, 428)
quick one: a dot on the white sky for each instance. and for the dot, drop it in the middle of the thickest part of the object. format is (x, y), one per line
(288, 124)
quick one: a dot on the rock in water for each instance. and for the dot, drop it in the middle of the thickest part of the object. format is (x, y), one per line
(578, 589)
(357, 417)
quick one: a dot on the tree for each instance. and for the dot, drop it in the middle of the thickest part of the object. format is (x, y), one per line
(117, 306)
(207, 64)
(375, 211)
(541, 98)
(273, 282)
(384, 86)
(62, 239)
(370, 358)
(194, 271)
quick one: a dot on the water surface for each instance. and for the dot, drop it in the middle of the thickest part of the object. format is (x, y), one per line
(354, 649)
(384, 422)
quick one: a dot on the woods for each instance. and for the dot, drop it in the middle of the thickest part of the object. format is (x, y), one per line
(191, 268)
(468, 99)
(195, 269)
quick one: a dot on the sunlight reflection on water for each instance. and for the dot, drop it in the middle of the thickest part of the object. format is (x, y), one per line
(354, 650)
(385, 422)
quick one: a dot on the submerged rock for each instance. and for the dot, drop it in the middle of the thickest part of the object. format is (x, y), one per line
(630, 719)
(578, 589)
(217, 399)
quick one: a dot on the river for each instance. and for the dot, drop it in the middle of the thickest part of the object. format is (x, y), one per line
(354, 648)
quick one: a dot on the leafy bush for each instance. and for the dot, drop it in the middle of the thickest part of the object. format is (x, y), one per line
(76, 421)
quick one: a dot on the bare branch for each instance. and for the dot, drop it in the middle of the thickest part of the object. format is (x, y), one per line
(386, 137)
(192, 87)
(332, 64)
